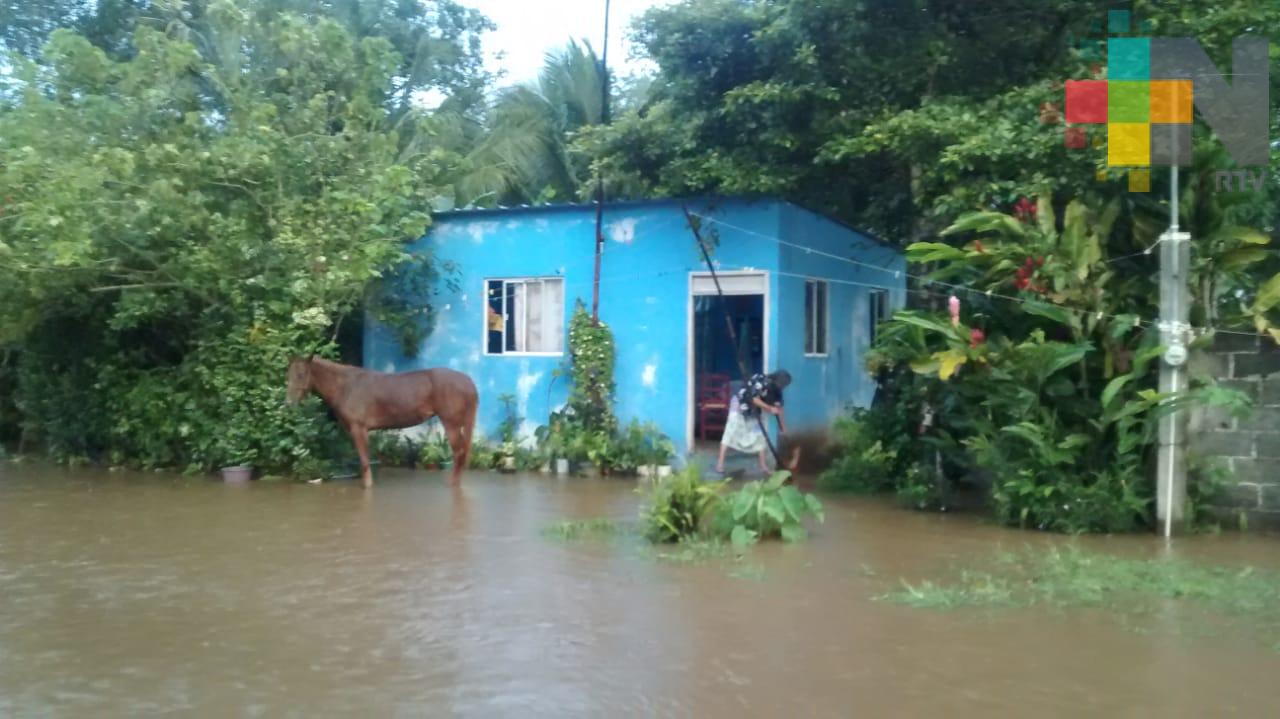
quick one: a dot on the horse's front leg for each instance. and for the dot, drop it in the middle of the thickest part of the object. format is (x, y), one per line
(360, 438)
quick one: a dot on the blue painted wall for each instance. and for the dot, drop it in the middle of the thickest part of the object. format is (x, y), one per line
(648, 258)
(824, 386)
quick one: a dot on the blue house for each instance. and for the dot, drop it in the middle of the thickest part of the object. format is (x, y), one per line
(804, 292)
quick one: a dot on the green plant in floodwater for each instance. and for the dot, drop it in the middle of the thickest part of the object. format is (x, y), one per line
(692, 550)
(573, 529)
(1069, 577)
(679, 505)
(973, 589)
(761, 510)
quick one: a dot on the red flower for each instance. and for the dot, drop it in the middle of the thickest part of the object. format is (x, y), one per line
(1025, 210)
(1075, 138)
(976, 337)
(977, 246)
(1039, 262)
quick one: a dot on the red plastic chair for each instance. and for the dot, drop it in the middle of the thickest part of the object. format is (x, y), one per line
(713, 401)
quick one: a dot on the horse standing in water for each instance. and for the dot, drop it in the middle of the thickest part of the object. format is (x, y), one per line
(364, 400)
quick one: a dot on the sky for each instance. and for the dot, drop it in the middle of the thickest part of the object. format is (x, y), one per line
(527, 29)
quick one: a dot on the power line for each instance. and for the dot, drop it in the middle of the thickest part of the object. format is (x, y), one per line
(1138, 321)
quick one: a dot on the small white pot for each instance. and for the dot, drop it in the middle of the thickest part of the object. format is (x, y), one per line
(644, 470)
(664, 471)
(562, 466)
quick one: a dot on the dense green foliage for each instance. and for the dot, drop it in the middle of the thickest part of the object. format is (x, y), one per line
(896, 115)
(180, 222)
(684, 507)
(1044, 388)
(679, 507)
(772, 509)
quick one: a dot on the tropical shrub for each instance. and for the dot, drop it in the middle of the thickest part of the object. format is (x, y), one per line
(769, 509)
(202, 207)
(866, 460)
(678, 507)
(1041, 382)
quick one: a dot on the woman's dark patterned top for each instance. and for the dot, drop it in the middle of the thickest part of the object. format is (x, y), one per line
(762, 386)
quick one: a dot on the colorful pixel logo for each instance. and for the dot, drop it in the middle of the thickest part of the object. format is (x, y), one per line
(1151, 87)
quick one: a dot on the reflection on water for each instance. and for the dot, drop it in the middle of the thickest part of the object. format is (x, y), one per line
(128, 594)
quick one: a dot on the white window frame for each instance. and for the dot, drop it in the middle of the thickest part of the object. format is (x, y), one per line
(885, 313)
(826, 318)
(484, 316)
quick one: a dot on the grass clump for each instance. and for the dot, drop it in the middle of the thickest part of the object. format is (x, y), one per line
(1065, 578)
(679, 507)
(578, 529)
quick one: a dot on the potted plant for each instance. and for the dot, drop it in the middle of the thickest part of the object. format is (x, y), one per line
(435, 453)
(653, 450)
(239, 459)
(507, 451)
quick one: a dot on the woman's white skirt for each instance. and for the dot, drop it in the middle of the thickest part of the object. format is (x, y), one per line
(743, 433)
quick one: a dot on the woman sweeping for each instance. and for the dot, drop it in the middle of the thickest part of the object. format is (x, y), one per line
(742, 432)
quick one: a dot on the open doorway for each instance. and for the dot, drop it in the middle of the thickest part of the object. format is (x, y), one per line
(714, 358)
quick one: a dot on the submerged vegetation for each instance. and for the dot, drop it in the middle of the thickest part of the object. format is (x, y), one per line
(1069, 577)
(686, 508)
(575, 529)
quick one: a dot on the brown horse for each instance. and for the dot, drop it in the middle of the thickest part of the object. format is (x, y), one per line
(364, 400)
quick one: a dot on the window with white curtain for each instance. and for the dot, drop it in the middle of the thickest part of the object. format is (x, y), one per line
(524, 316)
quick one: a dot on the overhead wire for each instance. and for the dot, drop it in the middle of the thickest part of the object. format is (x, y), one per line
(989, 293)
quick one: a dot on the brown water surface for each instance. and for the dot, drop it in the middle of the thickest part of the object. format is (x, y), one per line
(135, 594)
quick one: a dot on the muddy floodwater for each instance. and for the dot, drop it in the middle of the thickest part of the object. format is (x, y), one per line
(138, 594)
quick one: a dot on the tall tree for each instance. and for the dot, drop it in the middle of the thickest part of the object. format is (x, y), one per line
(893, 114)
(177, 223)
(524, 156)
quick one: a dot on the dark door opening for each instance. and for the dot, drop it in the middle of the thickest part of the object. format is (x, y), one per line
(715, 358)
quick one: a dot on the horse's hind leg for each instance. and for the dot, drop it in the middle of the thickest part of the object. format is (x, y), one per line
(459, 428)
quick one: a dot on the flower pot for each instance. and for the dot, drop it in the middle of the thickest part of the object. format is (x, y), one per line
(562, 466)
(508, 464)
(645, 470)
(238, 474)
(664, 470)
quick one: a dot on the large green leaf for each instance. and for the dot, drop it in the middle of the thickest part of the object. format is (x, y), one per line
(794, 533)
(926, 322)
(741, 536)
(1045, 217)
(1268, 295)
(777, 479)
(987, 222)
(1048, 311)
(1243, 257)
(923, 252)
(793, 502)
(742, 502)
(771, 507)
(815, 506)
(1113, 387)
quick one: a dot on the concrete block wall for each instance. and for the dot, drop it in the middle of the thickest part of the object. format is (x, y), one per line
(1249, 447)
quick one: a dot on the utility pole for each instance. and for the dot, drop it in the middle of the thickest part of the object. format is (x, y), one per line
(604, 120)
(1175, 264)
